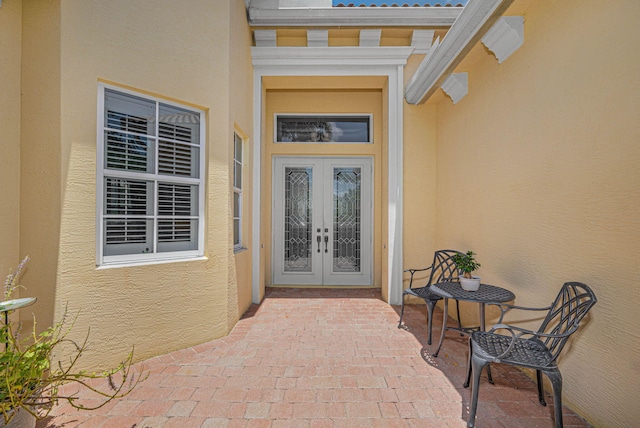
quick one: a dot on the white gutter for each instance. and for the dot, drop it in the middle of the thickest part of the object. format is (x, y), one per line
(475, 20)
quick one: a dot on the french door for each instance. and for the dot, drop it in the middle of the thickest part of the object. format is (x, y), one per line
(322, 221)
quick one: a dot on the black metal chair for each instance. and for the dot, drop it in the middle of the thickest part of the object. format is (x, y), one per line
(442, 269)
(536, 350)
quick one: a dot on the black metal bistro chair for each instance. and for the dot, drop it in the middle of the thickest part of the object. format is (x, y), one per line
(442, 269)
(536, 350)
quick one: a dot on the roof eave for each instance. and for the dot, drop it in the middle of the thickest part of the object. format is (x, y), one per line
(436, 17)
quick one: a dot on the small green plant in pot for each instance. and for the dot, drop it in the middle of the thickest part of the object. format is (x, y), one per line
(32, 383)
(467, 264)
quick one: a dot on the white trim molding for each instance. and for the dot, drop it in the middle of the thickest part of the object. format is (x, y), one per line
(337, 61)
(476, 18)
(269, 13)
(456, 86)
(328, 57)
(505, 37)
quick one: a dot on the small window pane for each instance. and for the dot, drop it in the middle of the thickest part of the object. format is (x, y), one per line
(128, 197)
(236, 204)
(237, 150)
(127, 152)
(179, 124)
(236, 232)
(177, 159)
(237, 175)
(237, 164)
(127, 236)
(177, 235)
(177, 199)
(129, 113)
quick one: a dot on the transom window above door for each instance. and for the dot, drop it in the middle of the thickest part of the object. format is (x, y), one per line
(321, 128)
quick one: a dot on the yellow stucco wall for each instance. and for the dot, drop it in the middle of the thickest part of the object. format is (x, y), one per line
(367, 100)
(10, 41)
(241, 115)
(40, 155)
(538, 173)
(419, 184)
(419, 187)
(70, 47)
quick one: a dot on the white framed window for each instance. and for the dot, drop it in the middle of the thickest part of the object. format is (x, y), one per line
(323, 128)
(150, 181)
(238, 166)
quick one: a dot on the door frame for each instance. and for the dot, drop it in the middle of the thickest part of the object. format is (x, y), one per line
(386, 61)
(326, 278)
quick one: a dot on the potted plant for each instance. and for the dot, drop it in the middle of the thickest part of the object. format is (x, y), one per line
(31, 382)
(467, 264)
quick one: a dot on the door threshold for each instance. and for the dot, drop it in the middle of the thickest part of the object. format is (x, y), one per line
(322, 286)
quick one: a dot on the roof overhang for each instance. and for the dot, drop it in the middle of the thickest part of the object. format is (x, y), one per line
(463, 27)
(271, 13)
(475, 20)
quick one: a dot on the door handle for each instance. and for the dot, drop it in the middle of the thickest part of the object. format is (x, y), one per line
(326, 243)
(319, 239)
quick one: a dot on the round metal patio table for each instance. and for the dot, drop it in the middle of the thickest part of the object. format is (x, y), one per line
(12, 305)
(485, 294)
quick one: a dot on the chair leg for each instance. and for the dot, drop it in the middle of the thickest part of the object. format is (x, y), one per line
(401, 312)
(477, 365)
(431, 304)
(556, 382)
(540, 388)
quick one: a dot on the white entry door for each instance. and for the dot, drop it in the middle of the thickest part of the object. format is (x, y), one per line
(322, 221)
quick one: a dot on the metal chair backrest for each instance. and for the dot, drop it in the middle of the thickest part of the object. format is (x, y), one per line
(443, 269)
(569, 308)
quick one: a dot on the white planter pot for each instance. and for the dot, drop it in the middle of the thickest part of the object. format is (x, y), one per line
(470, 284)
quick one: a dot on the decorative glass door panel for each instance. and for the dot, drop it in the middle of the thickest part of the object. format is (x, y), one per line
(347, 183)
(322, 221)
(298, 211)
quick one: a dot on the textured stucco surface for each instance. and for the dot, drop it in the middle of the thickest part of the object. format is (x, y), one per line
(40, 163)
(241, 116)
(538, 173)
(10, 41)
(419, 187)
(72, 47)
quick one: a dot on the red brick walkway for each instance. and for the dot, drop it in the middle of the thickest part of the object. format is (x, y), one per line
(320, 358)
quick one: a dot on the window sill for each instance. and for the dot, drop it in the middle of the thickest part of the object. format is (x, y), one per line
(149, 262)
(240, 250)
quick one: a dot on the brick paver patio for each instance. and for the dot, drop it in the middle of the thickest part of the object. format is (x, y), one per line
(320, 358)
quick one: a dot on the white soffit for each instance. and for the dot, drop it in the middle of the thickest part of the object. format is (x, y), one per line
(262, 14)
(474, 21)
(505, 37)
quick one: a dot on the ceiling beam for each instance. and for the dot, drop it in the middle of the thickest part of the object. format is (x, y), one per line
(475, 20)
